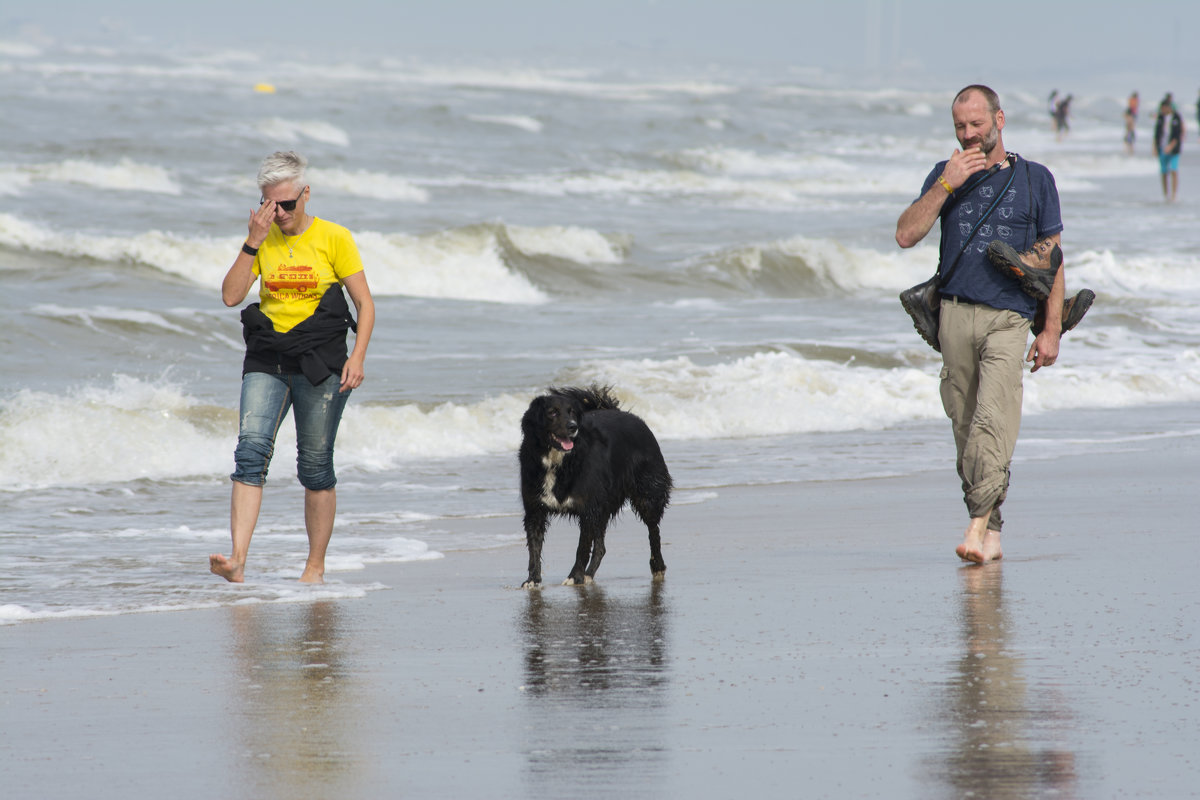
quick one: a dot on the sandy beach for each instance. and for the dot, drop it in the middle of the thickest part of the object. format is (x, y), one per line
(810, 640)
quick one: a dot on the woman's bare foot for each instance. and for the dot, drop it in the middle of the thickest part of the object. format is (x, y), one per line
(313, 574)
(229, 570)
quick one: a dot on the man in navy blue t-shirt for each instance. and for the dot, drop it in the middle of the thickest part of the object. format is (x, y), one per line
(984, 194)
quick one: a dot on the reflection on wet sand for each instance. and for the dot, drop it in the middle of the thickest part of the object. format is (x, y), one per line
(596, 670)
(290, 708)
(1000, 740)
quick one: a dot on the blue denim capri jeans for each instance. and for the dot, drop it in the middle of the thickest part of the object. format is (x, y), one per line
(265, 401)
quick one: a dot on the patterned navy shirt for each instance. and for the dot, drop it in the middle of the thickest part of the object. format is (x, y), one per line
(1026, 210)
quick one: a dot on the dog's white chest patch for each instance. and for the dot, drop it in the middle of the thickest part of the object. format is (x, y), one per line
(552, 461)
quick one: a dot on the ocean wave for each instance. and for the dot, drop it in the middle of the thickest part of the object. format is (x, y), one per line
(362, 183)
(806, 267)
(14, 49)
(546, 80)
(134, 430)
(97, 316)
(745, 182)
(570, 243)
(469, 263)
(463, 264)
(128, 431)
(201, 260)
(287, 131)
(519, 121)
(1165, 277)
(124, 176)
(513, 264)
(739, 161)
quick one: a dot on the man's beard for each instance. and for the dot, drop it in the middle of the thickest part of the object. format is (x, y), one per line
(988, 143)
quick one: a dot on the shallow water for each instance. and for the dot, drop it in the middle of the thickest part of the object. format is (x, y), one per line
(719, 249)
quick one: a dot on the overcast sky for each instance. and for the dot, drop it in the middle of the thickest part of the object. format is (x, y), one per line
(1051, 41)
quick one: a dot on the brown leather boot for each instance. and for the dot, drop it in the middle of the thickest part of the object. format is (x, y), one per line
(1073, 310)
(1036, 268)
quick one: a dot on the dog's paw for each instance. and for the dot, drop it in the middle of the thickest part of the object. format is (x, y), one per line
(531, 584)
(658, 576)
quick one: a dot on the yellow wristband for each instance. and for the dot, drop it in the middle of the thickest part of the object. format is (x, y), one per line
(945, 185)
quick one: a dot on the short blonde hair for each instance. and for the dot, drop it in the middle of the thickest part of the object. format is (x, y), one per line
(282, 166)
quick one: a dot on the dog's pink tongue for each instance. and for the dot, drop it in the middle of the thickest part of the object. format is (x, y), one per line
(566, 444)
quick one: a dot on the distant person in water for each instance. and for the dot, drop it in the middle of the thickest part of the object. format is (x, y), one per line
(1168, 143)
(1131, 112)
(295, 354)
(1062, 113)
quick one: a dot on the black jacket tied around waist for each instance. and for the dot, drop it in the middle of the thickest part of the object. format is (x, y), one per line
(316, 347)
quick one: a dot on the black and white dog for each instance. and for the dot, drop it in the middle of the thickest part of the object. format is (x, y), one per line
(582, 456)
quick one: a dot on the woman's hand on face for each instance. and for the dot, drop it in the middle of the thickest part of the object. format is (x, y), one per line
(260, 223)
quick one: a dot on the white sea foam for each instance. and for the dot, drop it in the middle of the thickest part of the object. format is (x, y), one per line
(464, 264)
(289, 131)
(552, 81)
(362, 183)
(1165, 276)
(14, 49)
(123, 176)
(100, 314)
(752, 187)
(137, 430)
(581, 245)
(123, 432)
(163, 596)
(525, 123)
(201, 260)
(739, 161)
(834, 266)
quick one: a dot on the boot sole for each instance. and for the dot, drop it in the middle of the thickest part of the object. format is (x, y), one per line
(1034, 282)
(1073, 310)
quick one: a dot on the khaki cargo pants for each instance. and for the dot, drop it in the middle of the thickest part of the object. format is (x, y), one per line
(983, 351)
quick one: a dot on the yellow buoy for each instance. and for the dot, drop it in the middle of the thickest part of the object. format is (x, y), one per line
(265, 88)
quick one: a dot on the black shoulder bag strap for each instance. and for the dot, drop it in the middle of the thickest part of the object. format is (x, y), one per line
(1011, 160)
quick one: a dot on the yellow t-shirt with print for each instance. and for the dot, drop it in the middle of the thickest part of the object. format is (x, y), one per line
(296, 270)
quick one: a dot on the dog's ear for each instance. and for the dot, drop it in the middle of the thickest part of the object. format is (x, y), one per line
(532, 424)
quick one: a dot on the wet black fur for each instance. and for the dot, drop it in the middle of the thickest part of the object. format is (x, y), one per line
(615, 459)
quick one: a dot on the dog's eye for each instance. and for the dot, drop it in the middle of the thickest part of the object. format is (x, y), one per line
(552, 413)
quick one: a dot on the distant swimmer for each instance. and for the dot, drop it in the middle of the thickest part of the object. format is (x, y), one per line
(990, 296)
(295, 354)
(1062, 114)
(1131, 112)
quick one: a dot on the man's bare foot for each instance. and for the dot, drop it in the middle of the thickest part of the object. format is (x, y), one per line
(229, 570)
(991, 546)
(971, 548)
(969, 553)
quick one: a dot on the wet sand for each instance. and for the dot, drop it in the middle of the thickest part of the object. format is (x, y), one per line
(810, 640)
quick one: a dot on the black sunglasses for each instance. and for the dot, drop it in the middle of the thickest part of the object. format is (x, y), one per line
(287, 205)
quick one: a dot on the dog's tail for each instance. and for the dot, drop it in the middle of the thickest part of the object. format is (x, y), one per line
(590, 398)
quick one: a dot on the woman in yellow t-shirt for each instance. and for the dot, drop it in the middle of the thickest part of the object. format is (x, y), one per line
(296, 354)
